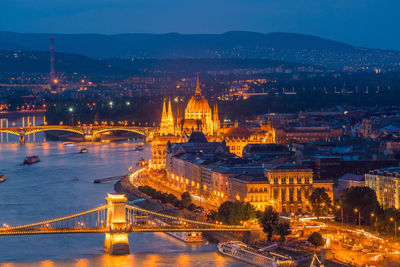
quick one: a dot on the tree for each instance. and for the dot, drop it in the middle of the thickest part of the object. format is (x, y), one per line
(362, 198)
(316, 239)
(171, 198)
(268, 221)
(320, 201)
(283, 230)
(191, 207)
(240, 212)
(186, 199)
(224, 211)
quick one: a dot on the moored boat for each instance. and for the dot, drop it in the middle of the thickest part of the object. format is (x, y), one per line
(2, 178)
(31, 160)
(139, 148)
(142, 162)
(241, 251)
(188, 237)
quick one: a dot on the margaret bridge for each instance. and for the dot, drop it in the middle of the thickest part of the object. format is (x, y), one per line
(117, 220)
(89, 132)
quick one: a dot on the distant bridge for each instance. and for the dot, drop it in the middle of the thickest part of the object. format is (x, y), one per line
(89, 132)
(116, 219)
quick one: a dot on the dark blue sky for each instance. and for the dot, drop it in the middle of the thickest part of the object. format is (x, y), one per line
(368, 23)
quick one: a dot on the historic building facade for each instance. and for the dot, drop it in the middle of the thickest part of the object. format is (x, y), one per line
(386, 183)
(284, 187)
(237, 137)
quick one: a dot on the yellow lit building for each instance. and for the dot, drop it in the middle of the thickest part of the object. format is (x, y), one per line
(386, 183)
(285, 187)
(237, 137)
(198, 115)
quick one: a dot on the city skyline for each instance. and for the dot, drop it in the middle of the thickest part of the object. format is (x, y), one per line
(359, 24)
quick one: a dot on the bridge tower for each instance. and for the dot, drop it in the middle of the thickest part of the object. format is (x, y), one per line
(116, 240)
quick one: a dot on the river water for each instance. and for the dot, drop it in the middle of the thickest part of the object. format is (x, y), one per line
(46, 190)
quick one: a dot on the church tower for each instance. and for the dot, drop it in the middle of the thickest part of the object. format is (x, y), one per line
(216, 121)
(167, 120)
(170, 119)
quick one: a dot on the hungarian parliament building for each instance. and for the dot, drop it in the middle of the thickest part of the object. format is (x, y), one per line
(198, 117)
(193, 153)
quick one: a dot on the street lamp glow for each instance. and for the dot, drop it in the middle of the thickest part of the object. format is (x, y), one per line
(71, 109)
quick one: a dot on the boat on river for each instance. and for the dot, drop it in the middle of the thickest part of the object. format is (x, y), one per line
(83, 151)
(188, 237)
(31, 160)
(241, 251)
(68, 144)
(2, 178)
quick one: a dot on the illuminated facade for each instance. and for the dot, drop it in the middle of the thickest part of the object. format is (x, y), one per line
(198, 115)
(237, 137)
(285, 187)
(386, 183)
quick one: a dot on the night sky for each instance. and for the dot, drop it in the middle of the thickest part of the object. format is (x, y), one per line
(368, 23)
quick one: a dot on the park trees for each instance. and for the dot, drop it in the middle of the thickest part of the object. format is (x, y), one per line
(268, 221)
(362, 199)
(316, 239)
(320, 202)
(234, 213)
(186, 199)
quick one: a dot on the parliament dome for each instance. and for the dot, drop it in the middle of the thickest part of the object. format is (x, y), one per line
(197, 107)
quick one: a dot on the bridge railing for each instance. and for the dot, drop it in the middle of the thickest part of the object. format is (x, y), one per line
(137, 217)
(93, 218)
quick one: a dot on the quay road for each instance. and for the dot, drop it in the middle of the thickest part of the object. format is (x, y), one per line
(141, 178)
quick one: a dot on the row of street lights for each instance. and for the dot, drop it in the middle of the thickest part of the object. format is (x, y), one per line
(372, 216)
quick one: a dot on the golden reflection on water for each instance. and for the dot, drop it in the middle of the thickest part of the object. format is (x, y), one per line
(47, 263)
(118, 261)
(82, 263)
(219, 260)
(183, 260)
(7, 265)
(151, 260)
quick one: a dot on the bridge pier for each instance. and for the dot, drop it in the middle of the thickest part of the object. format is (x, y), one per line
(22, 138)
(116, 240)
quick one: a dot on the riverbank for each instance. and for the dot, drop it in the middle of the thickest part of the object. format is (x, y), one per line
(132, 193)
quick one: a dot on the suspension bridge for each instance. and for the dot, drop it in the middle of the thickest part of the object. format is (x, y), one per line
(117, 219)
(89, 132)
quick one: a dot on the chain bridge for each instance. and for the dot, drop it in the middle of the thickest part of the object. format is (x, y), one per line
(116, 219)
(89, 132)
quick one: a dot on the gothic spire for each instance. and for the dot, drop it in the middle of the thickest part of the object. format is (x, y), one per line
(198, 90)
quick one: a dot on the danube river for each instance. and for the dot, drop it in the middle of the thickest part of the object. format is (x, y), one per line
(47, 190)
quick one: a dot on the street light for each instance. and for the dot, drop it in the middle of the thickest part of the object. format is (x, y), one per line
(359, 218)
(395, 227)
(341, 208)
(372, 215)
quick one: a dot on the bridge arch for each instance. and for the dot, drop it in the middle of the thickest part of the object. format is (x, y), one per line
(73, 130)
(14, 132)
(133, 130)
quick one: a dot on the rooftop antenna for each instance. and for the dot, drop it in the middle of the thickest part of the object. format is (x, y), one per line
(52, 69)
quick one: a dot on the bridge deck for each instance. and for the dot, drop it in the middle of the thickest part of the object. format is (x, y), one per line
(80, 230)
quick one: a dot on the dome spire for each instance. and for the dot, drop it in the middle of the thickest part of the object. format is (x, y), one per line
(198, 90)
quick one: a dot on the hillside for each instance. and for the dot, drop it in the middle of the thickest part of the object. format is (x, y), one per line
(16, 62)
(278, 46)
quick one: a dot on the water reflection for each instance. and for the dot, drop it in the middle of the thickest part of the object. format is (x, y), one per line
(46, 190)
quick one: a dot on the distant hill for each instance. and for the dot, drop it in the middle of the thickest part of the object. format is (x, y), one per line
(16, 62)
(278, 46)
